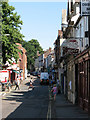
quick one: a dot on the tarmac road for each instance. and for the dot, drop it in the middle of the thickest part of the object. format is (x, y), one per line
(26, 103)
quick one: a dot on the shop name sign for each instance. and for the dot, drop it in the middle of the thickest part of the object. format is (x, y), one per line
(85, 7)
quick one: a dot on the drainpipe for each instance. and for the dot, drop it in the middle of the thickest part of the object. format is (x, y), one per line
(89, 29)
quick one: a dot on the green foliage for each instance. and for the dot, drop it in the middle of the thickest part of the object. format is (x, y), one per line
(11, 26)
(32, 47)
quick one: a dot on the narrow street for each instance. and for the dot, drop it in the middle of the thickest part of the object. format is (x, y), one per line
(26, 103)
(38, 103)
(45, 43)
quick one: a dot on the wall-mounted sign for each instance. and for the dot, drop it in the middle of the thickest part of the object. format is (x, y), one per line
(85, 7)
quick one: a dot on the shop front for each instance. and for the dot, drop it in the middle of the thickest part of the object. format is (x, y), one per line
(83, 64)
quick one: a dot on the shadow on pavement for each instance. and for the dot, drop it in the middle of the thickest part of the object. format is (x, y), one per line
(34, 103)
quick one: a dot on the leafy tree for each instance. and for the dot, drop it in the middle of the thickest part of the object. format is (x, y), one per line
(11, 26)
(32, 47)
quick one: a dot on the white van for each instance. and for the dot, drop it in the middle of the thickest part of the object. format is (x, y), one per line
(44, 78)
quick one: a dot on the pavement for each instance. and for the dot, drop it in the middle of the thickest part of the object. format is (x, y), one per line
(62, 109)
(22, 87)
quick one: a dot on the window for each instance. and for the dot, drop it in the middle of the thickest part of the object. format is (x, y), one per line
(82, 42)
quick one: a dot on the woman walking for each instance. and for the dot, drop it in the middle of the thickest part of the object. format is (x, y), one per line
(54, 90)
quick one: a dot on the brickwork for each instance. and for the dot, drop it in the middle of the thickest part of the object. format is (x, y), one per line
(22, 61)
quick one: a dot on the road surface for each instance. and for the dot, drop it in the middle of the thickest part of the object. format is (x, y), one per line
(26, 103)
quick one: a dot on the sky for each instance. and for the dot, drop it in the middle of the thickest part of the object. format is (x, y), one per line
(41, 20)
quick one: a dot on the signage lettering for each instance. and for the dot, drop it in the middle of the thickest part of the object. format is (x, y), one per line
(85, 7)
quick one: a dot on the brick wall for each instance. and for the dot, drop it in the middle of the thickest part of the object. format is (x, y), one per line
(22, 61)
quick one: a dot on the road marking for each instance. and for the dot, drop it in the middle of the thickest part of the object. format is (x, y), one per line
(49, 106)
(4, 94)
(50, 109)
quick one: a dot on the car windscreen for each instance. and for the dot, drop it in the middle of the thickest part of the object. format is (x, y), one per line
(44, 76)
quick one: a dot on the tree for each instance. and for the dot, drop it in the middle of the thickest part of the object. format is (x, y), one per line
(11, 25)
(32, 47)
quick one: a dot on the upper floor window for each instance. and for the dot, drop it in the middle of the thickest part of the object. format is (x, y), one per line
(71, 6)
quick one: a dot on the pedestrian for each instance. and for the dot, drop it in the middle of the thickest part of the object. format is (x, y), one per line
(54, 90)
(17, 83)
(9, 85)
(31, 84)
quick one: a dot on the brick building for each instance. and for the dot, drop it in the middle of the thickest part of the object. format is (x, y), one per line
(57, 52)
(22, 61)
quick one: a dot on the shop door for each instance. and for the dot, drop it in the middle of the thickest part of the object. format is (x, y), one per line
(83, 85)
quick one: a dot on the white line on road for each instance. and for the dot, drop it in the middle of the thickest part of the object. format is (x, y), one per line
(4, 94)
(49, 107)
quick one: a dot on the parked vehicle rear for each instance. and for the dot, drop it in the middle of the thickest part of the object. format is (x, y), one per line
(44, 78)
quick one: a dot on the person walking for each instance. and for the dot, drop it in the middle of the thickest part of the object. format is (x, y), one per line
(9, 85)
(17, 83)
(31, 85)
(54, 90)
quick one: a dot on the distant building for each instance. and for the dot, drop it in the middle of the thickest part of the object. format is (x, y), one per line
(41, 61)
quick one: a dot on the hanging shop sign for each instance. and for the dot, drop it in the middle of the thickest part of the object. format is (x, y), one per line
(85, 7)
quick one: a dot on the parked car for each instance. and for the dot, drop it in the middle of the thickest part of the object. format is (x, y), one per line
(44, 78)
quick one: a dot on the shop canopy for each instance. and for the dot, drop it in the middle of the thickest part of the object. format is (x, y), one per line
(15, 71)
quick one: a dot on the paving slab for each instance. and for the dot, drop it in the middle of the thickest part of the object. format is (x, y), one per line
(63, 109)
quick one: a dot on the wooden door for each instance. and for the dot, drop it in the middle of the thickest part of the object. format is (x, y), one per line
(83, 85)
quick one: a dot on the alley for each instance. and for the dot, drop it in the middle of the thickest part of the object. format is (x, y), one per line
(26, 103)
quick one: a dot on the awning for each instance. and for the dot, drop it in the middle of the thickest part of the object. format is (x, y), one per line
(9, 68)
(15, 71)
